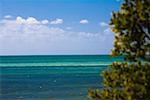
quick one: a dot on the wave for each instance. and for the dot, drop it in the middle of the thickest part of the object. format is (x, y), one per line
(53, 64)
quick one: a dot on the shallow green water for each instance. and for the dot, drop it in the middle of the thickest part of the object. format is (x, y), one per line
(51, 77)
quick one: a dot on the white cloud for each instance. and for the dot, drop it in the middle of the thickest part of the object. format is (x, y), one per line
(44, 21)
(33, 28)
(20, 20)
(23, 27)
(8, 17)
(103, 24)
(29, 20)
(30, 27)
(107, 31)
(33, 36)
(57, 21)
(84, 21)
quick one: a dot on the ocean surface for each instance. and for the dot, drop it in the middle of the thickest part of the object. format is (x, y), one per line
(65, 77)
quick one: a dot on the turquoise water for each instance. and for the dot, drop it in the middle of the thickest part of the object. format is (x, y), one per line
(51, 77)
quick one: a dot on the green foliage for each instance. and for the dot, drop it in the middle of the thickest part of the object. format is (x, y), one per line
(125, 82)
(129, 80)
(131, 26)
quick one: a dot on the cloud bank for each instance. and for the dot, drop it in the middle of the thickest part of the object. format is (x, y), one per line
(32, 36)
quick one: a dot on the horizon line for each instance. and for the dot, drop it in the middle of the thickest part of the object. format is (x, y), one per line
(54, 54)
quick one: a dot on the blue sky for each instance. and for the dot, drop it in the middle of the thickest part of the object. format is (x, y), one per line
(33, 27)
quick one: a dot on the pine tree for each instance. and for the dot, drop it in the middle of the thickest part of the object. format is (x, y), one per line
(128, 80)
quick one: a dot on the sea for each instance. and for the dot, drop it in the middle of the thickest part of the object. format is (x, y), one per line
(51, 77)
